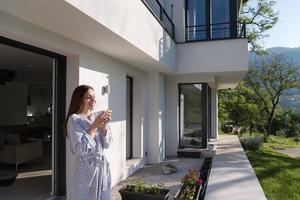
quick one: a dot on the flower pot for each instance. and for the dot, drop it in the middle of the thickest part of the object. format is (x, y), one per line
(131, 195)
(195, 197)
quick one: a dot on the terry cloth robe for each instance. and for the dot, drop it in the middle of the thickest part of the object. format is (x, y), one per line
(91, 178)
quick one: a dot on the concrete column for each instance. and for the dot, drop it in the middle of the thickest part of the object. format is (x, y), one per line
(156, 113)
(214, 113)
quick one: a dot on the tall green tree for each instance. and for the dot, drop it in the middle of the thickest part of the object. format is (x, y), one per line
(270, 80)
(260, 17)
(238, 107)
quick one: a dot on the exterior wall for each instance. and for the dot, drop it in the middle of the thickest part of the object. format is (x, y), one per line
(125, 30)
(214, 56)
(172, 112)
(86, 66)
(156, 103)
(132, 21)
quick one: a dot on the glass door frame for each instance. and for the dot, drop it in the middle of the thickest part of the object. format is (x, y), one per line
(233, 16)
(205, 107)
(59, 112)
(130, 87)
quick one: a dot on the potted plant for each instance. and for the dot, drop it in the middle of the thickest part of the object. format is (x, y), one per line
(191, 186)
(143, 191)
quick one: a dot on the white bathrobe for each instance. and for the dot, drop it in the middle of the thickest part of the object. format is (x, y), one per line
(91, 179)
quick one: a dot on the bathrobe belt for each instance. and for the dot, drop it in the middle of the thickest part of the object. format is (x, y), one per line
(98, 160)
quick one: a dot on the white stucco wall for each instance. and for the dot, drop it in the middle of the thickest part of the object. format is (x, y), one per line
(156, 114)
(213, 56)
(135, 23)
(86, 66)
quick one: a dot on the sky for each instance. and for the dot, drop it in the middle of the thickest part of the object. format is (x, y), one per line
(286, 33)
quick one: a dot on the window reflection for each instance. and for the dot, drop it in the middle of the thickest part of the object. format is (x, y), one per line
(196, 19)
(190, 115)
(220, 18)
(208, 19)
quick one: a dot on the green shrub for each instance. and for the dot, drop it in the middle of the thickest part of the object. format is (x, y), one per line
(227, 128)
(142, 187)
(281, 133)
(252, 143)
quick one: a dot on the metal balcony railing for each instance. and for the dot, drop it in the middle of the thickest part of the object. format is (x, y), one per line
(227, 30)
(161, 15)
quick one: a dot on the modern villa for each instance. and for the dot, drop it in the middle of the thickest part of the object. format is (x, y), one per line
(157, 64)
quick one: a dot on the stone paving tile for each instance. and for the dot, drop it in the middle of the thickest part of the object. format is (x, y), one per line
(153, 174)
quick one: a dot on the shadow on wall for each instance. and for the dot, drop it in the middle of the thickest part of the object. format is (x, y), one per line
(113, 99)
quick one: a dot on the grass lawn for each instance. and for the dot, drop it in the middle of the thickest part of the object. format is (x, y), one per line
(278, 174)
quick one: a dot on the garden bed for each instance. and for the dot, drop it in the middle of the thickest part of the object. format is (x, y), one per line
(143, 191)
(194, 183)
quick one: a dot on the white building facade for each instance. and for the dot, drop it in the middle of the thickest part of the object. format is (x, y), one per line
(162, 62)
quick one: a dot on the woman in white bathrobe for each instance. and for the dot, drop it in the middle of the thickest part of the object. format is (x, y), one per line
(88, 134)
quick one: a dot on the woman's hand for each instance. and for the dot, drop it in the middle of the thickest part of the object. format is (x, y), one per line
(106, 119)
(100, 122)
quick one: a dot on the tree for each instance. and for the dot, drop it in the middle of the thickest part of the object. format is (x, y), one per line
(270, 80)
(238, 107)
(287, 123)
(259, 17)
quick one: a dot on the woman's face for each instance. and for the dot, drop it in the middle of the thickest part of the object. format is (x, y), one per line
(89, 100)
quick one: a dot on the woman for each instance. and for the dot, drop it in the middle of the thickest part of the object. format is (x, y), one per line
(88, 135)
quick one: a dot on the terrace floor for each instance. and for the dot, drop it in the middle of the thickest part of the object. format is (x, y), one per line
(231, 176)
(153, 174)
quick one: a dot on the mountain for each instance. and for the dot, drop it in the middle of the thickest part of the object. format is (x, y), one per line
(293, 55)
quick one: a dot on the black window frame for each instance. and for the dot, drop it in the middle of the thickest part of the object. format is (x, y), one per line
(233, 12)
(131, 116)
(206, 107)
(59, 114)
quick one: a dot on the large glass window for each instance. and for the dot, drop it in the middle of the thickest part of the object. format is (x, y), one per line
(196, 19)
(191, 114)
(220, 18)
(210, 19)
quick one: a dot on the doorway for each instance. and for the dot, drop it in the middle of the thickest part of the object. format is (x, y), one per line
(129, 138)
(35, 81)
(194, 115)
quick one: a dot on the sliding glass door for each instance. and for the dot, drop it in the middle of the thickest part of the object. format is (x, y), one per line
(211, 19)
(194, 115)
(196, 20)
(220, 18)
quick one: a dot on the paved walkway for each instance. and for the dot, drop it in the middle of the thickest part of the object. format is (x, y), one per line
(153, 174)
(292, 152)
(232, 176)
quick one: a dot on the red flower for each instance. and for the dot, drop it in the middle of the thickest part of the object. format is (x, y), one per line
(199, 181)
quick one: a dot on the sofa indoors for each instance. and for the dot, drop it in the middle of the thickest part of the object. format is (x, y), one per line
(15, 147)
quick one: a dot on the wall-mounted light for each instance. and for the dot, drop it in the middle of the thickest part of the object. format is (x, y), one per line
(105, 89)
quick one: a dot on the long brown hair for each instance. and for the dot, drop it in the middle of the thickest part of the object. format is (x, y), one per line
(76, 102)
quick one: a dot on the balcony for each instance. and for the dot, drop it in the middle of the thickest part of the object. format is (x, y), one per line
(216, 31)
(213, 31)
(161, 15)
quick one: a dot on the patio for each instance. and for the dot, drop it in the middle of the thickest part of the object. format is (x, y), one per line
(231, 174)
(153, 174)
